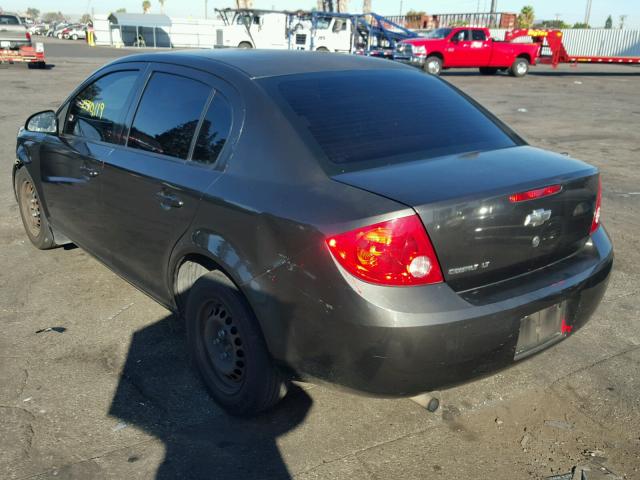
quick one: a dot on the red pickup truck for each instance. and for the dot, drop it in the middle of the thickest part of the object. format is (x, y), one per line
(461, 47)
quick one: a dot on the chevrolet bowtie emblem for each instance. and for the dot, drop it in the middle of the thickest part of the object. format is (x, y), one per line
(537, 217)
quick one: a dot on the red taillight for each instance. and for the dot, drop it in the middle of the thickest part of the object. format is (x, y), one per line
(595, 223)
(396, 252)
(533, 194)
(28, 36)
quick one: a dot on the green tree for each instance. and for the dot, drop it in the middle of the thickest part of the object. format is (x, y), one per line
(581, 25)
(86, 18)
(526, 16)
(33, 13)
(121, 10)
(559, 24)
(146, 6)
(609, 22)
(415, 13)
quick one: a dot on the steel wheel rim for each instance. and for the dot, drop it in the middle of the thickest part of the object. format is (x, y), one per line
(521, 68)
(30, 208)
(223, 346)
(433, 67)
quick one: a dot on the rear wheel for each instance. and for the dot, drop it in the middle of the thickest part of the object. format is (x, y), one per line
(245, 45)
(519, 68)
(488, 70)
(34, 220)
(226, 345)
(322, 49)
(433, 65)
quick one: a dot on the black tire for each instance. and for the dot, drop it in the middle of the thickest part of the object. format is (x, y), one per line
(322, 49)
(433, 65)
(34, 220)
(227, 347)
(488, 70)
(245, 45)
(519, 68)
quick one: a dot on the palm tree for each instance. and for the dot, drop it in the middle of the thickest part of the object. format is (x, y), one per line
(161, 2)
(146, 6)
(525, 19)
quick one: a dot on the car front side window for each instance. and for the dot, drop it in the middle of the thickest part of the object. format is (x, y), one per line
(97, 112)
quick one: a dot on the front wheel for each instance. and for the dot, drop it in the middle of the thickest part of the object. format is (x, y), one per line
(433, 65)
(245, 45)
(34, 220)
(227, 347)
(74, 37)
(519, 68)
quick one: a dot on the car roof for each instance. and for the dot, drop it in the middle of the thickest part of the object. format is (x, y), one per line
(270, 63)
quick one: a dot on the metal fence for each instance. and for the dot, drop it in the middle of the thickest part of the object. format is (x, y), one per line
(602, 42)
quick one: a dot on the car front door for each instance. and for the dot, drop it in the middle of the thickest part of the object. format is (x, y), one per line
(457, 50)
(153, 185)
(91, 126)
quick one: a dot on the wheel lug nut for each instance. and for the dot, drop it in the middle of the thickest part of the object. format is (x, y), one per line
(221, 333)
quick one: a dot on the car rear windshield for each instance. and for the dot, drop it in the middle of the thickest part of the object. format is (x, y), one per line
(387, 116)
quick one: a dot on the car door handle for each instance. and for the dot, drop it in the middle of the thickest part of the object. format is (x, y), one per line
(89, 171)
(168, 200)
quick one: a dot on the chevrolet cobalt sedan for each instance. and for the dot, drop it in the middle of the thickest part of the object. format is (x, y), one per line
(318, 216)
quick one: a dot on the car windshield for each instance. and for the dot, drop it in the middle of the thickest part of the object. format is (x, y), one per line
(322, 23)
(385, 116)
(438, 33)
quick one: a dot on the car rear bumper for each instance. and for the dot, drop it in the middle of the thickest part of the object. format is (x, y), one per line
(403, 341)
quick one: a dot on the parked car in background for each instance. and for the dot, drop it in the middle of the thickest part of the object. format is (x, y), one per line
(13, 33)
(39, 29)
(355, 236)
(75, 32)
(59, 30)
(464, 47)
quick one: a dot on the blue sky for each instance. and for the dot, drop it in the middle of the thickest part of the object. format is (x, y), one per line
(570, 11)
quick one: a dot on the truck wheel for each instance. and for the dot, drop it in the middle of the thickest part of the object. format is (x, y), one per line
(322, 49)
(34, 220)
(433, 65)
(245, 45)
(74, 37)
(226, 345)
(488, 70)
(519, 68)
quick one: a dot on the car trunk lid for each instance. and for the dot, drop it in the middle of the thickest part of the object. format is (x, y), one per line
(479, 234)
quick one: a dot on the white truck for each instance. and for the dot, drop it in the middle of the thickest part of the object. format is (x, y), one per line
(283, 30)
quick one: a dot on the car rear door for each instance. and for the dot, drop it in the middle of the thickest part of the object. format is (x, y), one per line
(91, 126)
(480, 48)
(153, 185)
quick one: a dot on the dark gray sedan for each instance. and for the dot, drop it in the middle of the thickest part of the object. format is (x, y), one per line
(318, 216)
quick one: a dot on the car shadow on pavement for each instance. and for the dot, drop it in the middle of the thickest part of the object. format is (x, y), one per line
(160, 393)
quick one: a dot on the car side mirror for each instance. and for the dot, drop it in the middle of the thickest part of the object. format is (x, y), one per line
(44, 122)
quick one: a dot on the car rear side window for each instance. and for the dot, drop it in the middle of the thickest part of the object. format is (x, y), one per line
(478, 35)
(168, 114)
(214, 131)
(9, 20)
(387, 116)
(97, 112)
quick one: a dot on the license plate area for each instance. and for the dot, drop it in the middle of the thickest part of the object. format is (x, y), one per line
(540, 330)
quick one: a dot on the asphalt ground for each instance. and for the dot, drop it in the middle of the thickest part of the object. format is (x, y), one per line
(94, 381)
